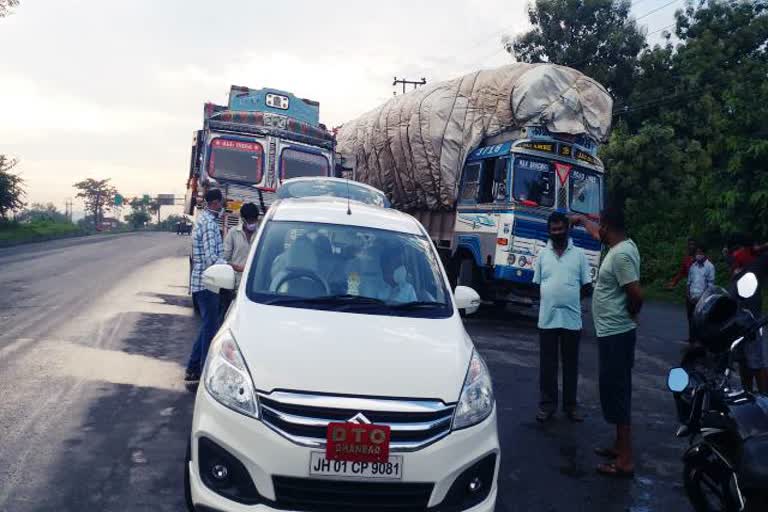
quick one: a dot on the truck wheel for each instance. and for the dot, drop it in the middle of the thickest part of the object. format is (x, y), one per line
(467, 273)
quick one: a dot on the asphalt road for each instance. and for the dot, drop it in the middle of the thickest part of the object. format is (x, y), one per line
(94, 334)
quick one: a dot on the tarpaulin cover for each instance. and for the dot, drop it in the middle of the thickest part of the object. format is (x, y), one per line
(413, 147)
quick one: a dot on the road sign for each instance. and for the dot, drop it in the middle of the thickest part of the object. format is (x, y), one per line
(166, 199)
(118, 200)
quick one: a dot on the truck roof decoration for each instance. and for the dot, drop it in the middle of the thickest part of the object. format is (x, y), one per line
(414, 146)
(275, 101)
(221, 118)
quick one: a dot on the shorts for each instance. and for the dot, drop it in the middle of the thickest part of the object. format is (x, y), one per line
(754, 352)
(617, 358)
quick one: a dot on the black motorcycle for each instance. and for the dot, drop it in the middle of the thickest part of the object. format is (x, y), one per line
(726, 464)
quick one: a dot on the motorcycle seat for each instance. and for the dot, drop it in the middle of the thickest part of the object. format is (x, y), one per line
(754, 463)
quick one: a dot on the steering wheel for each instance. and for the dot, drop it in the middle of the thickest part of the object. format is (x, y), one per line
(294, 274)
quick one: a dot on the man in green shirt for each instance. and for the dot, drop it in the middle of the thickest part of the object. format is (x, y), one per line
(616, 302)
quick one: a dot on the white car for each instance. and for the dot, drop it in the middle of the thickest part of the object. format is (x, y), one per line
(342, 378)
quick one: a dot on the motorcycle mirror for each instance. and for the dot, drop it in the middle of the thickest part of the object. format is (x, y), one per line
(747, 285)
(678, 380)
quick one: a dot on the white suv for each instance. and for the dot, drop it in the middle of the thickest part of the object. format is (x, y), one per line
(343, 378)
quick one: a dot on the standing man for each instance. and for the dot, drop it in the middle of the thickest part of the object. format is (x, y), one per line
(562, 273)
(616, 303)
(237, 245)
(207, 249)
(701, 276)
(684, 271)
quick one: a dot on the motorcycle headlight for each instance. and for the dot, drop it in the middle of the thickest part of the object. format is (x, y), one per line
(476, 402)
(226, 376)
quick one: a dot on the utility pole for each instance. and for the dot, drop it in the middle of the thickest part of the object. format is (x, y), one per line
(405, 82)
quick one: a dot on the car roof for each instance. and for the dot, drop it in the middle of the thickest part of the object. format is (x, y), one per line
(333, 210)
(337, 180)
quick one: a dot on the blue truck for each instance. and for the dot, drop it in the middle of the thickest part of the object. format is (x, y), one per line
(250, 146)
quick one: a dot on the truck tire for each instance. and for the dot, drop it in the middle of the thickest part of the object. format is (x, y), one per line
(467, 273)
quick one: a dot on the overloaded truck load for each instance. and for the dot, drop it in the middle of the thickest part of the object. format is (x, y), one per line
(414, 146)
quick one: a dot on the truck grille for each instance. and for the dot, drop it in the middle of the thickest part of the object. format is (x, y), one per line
(336, 496)
(304, 419)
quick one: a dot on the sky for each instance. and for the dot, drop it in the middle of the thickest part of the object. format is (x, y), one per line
(108, 89)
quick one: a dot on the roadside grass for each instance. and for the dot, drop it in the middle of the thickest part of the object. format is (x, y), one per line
(13, 232)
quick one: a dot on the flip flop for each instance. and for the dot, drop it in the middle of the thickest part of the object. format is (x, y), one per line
(614, 471)
(608, 453)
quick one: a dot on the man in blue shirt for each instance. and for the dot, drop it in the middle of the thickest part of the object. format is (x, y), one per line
(207, 249)
(562, 273)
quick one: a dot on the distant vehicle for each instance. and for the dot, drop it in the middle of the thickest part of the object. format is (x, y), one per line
(248, 148)
(342, 377)
(184, 228)
(334, 187)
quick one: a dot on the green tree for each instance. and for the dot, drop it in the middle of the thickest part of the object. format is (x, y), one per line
(39, 212)
(596, 37)
(97, 195)
(11, 188)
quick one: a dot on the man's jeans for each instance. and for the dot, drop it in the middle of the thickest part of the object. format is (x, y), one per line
(208, 304)
(566, 342)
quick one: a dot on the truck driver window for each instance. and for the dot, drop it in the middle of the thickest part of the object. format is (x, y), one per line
(585, 192)
(485, 189)
(235, 160)
(500, 179)
(471, 182)
(296, 163)
(532, 182)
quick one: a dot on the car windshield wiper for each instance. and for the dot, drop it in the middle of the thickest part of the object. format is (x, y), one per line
(342, 299)
(418, 305)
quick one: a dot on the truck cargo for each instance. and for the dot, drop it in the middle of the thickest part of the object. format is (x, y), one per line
(482, 160)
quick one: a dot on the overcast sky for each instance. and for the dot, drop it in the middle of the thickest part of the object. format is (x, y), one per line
(101, 88)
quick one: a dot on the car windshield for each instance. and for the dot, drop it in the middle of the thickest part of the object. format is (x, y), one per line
(585, 192)
(343, 189)
(532, 182)
(235, 160)
(347, 268)
(295, 163)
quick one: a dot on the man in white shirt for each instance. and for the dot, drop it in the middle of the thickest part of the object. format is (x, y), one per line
(237, 246)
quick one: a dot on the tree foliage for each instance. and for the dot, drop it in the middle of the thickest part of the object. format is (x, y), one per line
(597, 37)
(97, 195)
(142, 211)
(39, 212)
(11, 188)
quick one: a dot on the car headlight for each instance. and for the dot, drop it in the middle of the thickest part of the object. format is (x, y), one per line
(476, 402)
(226, 376)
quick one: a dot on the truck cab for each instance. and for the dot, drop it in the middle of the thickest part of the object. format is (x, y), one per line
(249, 147)
(507, 191)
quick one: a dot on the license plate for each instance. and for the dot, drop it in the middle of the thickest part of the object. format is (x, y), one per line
(320, 466)
(356, 442)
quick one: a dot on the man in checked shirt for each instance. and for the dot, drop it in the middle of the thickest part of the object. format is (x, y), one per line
(207, 248)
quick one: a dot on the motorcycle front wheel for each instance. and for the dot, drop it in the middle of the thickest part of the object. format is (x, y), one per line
(709, 489)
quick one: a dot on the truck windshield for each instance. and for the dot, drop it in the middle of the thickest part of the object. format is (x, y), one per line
(347, 268)
(236, 160)
(532, 182)
(295, 163)
(585, 192)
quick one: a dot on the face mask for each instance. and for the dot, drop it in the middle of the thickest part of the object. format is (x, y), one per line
(559, 239)
(399, 275)
(251, 227)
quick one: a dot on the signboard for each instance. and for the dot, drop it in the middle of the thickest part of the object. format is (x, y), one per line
(545, 147)
(238, 145)
(166, 199)
(586, 157)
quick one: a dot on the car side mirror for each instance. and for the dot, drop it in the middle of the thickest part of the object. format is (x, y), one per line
(747, 285)
(217, 277)
(677, 380)
(467, 300)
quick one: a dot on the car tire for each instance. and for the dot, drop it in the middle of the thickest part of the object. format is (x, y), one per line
(187, 486)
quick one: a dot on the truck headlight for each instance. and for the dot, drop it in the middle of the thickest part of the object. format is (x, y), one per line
(476, 402)
(226, 376)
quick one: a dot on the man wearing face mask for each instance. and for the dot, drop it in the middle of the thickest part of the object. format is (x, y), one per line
(237, 245)
(562, 273)
(207, 249)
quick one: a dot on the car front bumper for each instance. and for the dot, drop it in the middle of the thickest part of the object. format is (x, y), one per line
(266, 454)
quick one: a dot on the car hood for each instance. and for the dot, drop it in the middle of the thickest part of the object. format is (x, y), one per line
(332, 352)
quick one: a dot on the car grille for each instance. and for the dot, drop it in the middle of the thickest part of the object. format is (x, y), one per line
(304, 419)
(322, 495)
